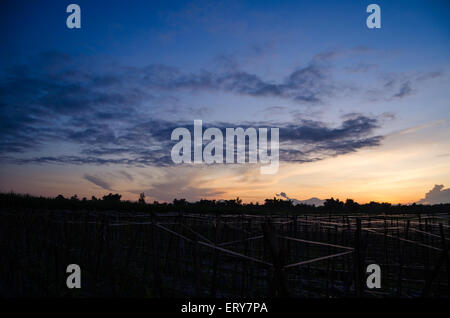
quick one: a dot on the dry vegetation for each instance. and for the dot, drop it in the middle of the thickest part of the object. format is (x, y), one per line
(178, 255)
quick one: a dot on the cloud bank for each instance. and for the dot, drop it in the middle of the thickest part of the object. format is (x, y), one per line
(436, 195)
(104, 112)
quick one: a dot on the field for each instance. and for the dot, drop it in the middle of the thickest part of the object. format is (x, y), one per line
(205, 255)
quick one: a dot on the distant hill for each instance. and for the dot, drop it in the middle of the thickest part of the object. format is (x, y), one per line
(310, 201)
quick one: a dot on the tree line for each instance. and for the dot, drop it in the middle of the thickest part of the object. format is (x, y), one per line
(236, 206)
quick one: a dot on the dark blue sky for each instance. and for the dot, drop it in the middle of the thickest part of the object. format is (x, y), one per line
(186, 33)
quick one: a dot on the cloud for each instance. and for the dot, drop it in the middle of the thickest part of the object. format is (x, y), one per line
(436, 195)
(148, 143)
(361, 67)
(394, 86)
(309, 84)
(313, 140)
(98, 182)
(104, 111)
(128, 176)
(404, 90)
(191, 185)
(56, 95)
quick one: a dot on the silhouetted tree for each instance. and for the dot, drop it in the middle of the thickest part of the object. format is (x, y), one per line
(351, 206)
(112, 197)
(179, 202)
(141, 198)
(333, 205)
(278, 203)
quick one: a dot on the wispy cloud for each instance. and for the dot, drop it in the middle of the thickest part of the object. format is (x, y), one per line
(191, 185)
(395, 86)
(149, 143)
(128, 176)
(105, 111)
(98, 182)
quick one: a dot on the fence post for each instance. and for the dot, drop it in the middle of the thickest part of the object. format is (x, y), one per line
(445, 252)
(278, 257)
(156, 260)
(215, 258)
(358, 260)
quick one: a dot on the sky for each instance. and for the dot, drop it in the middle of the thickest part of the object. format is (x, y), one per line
(362, 113)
